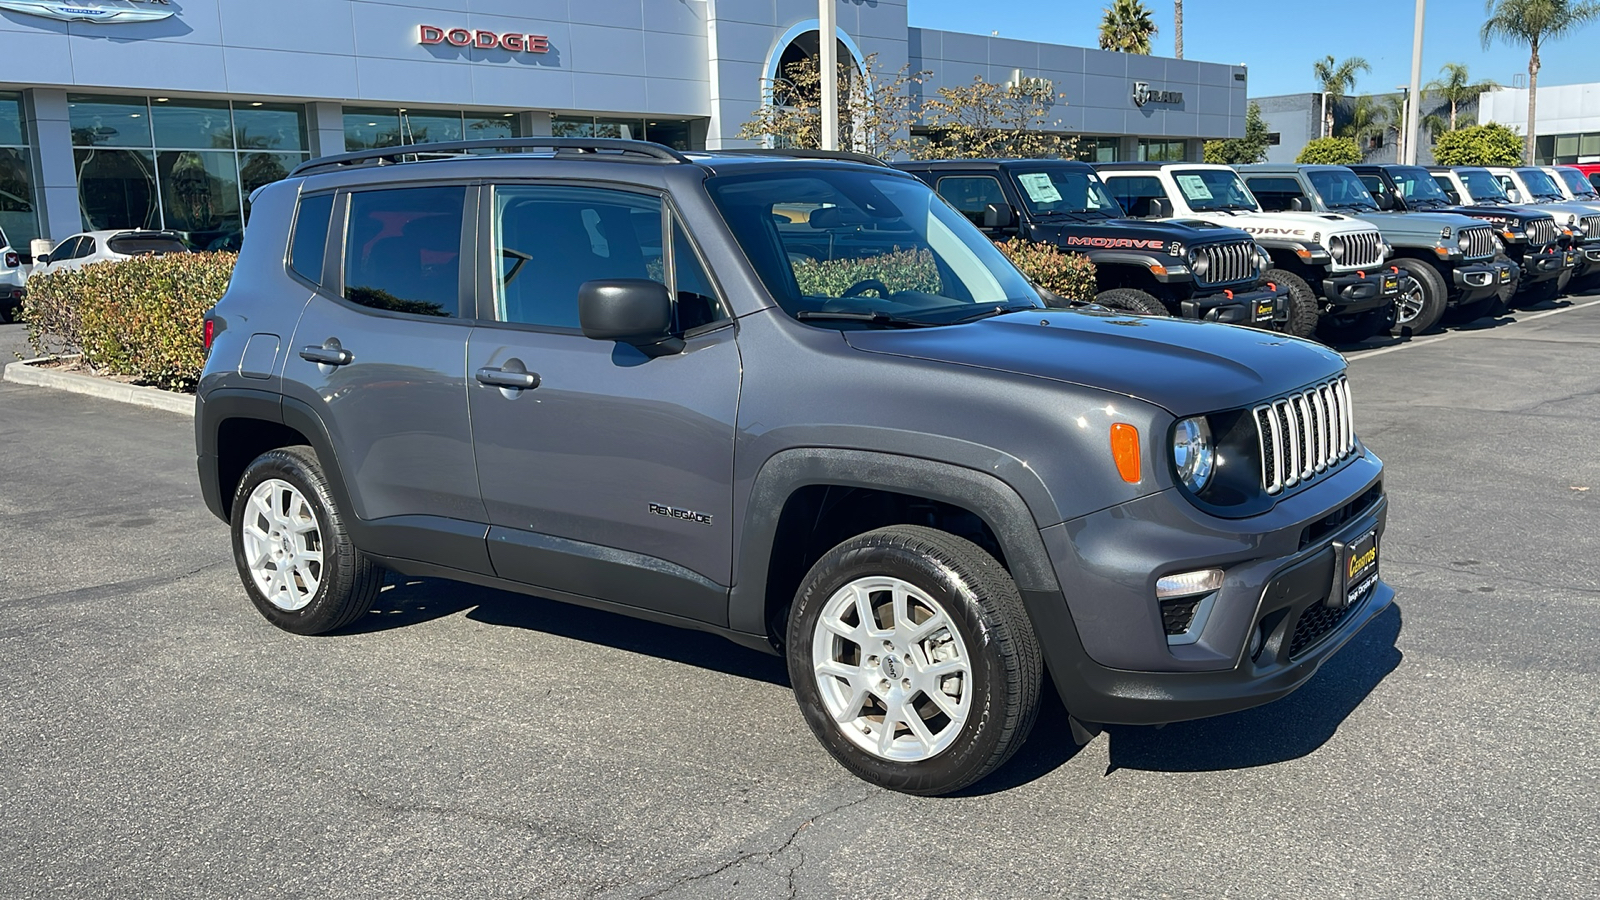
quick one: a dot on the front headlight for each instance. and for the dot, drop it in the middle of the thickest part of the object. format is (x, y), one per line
(1336, 248)
(1263, 257)
(1464, 242)
(1200, 263)
(1193, 453)
(1499, 245)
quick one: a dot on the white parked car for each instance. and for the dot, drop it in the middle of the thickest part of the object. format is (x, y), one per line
(11, 278)
(99, 246)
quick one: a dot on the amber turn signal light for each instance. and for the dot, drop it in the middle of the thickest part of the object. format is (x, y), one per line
(1125, 450)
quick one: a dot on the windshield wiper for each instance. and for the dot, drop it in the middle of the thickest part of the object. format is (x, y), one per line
(992, 311)
(874, 317)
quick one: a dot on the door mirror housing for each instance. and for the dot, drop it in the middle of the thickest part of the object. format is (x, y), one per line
(999, 215)
(1296, 205)
(634, 311)
(1385, 199)
(1514, 195)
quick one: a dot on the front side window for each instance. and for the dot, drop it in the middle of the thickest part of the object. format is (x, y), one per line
(1050, 191)
(1134, 193)
(1213, 189)
(972, 194)
(402, 250)
(1277, 193)
(876, 248)
(1341, 189)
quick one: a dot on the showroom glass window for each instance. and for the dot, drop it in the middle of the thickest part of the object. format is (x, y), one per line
(1163, 151)
(369, 128)
(180, 164)
(18, 220)
(674, 133)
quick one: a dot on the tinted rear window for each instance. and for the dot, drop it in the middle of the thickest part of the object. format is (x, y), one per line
(311, 237)
(137, 245)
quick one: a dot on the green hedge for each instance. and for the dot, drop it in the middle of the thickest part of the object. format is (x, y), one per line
(1069, 276)
(139, 317)
(1330, 152)
(1479, 145)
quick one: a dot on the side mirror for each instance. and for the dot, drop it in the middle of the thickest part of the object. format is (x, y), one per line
(1296, 205)
(633, 311)
(1160, 208)
(1455, 196)
(999, 215)
(1514, 195)
(1386, 200)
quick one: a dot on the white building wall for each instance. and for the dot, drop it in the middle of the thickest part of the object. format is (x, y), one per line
(1562, 108)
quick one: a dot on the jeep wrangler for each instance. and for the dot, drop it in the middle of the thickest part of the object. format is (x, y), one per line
(1539, 245)
(1533, 186)
(617, 375)
(1192, 269)
(1449, 258)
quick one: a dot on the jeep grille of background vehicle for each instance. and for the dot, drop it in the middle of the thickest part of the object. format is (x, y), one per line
(1591, 228)
(1304, 434)
(1362, 249)
(1480, 241)
(1230, 262)
(1541, 231)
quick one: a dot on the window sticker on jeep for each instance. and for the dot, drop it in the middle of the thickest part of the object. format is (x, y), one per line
(1039, 187)
(1194, 187)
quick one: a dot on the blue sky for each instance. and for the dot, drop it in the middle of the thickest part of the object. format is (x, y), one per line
(1280, 39)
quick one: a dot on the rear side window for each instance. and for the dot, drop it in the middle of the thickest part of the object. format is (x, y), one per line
(1135, 192)
(140, 245)
(1594, 179)
(402, 250)
(85, 248)
(311, 237)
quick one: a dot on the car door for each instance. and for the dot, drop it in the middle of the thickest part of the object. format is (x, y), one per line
(379, 359)
(606, 472)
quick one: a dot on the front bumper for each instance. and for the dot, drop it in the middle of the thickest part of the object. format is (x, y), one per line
(1356, 292)
(1474, 281)
(1108, 650)
(1266, 307)
(1545, 263)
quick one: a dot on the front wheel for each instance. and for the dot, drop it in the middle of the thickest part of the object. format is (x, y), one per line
(1302, 302)
(1354, 328)
(1132, 300)
(1422, 301)
(293, 553)
(913, 660)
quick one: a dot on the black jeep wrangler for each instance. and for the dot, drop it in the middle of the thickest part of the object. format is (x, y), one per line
(1187, 268)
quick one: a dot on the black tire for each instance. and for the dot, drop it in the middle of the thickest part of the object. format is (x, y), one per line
(1354, 328)
(1462, 313)
(1538, 292)
(1507, 292)
(347, 581)
(1302, 302)
(1132, 300)
(1563, 281)
(982, 604)
(1435, 297)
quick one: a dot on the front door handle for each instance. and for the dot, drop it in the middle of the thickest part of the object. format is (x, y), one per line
(329, 354)
(511, 375)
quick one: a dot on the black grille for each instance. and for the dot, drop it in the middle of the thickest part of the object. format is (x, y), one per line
(1177, 615)
(1227, 263)
(1480, 242)
(1542, 231)
(1591, 228)
(1315, 623)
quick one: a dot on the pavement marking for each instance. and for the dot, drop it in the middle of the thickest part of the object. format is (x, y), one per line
(1366, 354)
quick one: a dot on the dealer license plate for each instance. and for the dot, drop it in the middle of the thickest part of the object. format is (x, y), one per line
(1391, 284)
(1360, 567)
(1265, 311)
(1505, 276)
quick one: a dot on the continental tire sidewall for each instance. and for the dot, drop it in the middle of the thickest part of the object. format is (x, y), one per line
(973, 753)
(345, 590)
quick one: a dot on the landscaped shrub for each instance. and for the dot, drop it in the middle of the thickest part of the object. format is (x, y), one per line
(1479, 145)
(900, 270)
(1331, 151)
(139, 317)
(1067, 275)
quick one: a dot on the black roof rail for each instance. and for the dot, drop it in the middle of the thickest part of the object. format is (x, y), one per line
(803, 153)
(446, 149)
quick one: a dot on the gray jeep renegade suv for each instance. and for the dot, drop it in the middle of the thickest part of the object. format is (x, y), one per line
(799, 402)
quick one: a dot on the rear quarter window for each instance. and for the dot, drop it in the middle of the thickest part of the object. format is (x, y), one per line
(310, 243)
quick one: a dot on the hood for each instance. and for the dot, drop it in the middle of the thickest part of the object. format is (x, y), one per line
(1429, 223)
(1191, 232)
(1520, 215)
(1183, 366)
(1299, 227)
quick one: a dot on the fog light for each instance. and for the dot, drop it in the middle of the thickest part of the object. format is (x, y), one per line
(1255, 643)
(1188, 584)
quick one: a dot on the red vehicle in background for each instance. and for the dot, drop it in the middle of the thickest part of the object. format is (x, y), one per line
(1590, 171)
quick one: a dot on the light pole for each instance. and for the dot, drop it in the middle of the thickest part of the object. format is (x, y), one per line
(828, 45)
(1405, 122)
(1414, 95)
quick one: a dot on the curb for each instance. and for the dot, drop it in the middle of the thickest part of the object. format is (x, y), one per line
(25, 372)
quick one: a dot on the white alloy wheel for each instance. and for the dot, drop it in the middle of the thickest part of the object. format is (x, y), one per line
(892, 669)
(283, 545)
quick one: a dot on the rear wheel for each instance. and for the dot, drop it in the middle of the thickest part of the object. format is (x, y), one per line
(1132, 300)
(293, 553)
(913, 660)
(1302, 302)
(1422, 301)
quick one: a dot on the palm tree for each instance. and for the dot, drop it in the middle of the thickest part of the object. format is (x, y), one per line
(1336, 79)
(1367, 118)
(1532, 23)
(1394, 113)
(1457, 88)
(1127, 28)
(1177, 28)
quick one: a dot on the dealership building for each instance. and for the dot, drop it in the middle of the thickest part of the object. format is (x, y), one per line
(167, 113)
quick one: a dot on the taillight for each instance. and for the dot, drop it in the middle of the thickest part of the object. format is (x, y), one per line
(211, 332)
(13, 260)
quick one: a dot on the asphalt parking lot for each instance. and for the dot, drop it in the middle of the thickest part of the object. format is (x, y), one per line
(159, 739)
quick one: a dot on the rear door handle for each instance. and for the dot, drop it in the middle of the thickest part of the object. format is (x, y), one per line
(329, 354)
(512, 375)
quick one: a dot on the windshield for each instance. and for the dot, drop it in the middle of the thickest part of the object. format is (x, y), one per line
(1417, 186)
(1540, 184)
(1065, 190)
(1575, 182)
(1213, 189)
(1341, 189)
(880, 248)
(1483, 187)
